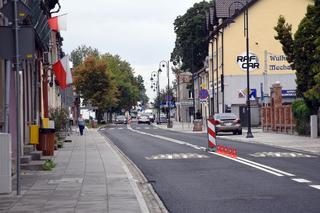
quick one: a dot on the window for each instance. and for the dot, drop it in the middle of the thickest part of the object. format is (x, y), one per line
(190, 94)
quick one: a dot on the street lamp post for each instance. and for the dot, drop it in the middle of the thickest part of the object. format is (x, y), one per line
(246, 30)
(164, 63)
(155, 76)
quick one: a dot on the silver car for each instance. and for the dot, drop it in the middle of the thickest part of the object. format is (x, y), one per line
(228, 122)
(144, 118)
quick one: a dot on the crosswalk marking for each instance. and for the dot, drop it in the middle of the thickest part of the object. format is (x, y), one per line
(281, 155)
(176, 156)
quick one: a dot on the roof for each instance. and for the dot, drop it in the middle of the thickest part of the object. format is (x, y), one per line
(234, 7)
(228, 8)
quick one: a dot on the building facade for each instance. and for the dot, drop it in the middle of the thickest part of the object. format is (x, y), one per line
(267, 62)
(38, 90)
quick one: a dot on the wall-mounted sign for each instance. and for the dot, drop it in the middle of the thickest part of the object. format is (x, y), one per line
(253, 61)
(288, 93)
(278, 62)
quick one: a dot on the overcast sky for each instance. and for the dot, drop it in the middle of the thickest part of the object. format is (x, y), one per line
(140, 31)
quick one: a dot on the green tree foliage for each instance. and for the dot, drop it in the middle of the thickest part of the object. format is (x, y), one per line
(301, 114)
(191, 45)
(303, 53)
(130, 88)
(81, 53)
(142, 90)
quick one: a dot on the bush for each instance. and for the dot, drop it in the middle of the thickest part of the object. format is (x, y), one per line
(48, 165)
(301, 115)
(60, 117)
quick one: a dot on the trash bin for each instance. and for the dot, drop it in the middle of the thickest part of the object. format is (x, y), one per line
(46, 144)
(197, 125)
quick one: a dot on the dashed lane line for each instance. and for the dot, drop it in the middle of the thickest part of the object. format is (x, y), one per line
(315, 186)
(301, 180)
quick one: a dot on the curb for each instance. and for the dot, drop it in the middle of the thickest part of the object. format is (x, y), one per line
(150, 197)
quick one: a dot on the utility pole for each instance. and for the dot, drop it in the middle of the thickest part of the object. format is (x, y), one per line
(17, 67)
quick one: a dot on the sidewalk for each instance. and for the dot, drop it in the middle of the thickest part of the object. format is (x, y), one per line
(89, 177)
(291, 142)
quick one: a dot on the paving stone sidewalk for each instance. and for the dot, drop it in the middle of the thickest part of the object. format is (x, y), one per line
(89, 177)
(292, 142)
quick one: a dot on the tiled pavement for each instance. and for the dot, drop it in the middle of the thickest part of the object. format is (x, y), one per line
(89, 177)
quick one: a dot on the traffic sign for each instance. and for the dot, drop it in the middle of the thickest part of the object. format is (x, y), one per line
(203, 94)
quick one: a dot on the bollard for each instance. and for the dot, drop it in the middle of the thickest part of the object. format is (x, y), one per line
(212, 143)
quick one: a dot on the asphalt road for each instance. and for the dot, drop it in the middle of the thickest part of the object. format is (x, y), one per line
(189, 179)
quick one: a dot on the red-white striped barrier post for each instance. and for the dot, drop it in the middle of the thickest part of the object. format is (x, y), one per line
(212, 142)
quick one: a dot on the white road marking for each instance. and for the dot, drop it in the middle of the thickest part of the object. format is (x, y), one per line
(111, 128)
(176, 156)
(282, 154)
(301, 180)
(147, 128)
(261, 167)
(315, 186)
(138, 127)
(120, 128)
(267, 167)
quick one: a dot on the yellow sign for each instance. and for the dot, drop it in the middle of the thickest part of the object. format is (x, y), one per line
(45, 123)
(34, 134)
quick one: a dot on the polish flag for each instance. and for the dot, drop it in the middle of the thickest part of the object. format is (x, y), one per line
(58, 23)
(62, 71)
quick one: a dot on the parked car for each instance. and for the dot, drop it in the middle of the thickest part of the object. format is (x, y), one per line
(144, 118)
(228, 122)
(163, 119)
(120, 119)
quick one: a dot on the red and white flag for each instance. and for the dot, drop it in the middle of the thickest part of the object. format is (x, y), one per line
(62, 71)
(58, 23)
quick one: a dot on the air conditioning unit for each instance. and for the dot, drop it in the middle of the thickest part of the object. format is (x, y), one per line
(46, 58)
(5, 163)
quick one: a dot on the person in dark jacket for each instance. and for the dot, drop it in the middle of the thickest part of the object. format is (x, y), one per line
(81, 124)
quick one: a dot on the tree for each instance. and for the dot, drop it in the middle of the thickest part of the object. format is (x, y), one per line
(95, 84)
(303, 54)
(126, 83)
(142, 90)
(81, 53)
(191, 45)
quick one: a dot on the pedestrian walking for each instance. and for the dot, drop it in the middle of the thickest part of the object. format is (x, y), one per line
(81, 124)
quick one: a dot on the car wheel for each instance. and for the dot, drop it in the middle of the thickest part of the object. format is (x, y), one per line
(149, 123)
(240, 132)
(139, 122)
(234, 132)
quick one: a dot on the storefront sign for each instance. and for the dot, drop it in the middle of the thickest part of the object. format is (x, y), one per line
(278, 63)
(288, 93)
(253, 61)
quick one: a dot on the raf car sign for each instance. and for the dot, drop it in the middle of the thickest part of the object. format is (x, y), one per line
(253, 61)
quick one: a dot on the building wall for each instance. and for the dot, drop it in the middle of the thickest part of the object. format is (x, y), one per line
(184, 101)
(271, 62)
